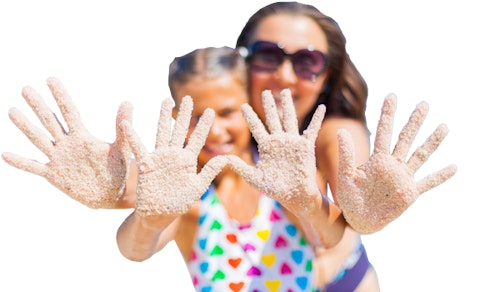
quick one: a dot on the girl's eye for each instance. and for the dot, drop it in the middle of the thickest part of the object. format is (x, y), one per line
(227, 113)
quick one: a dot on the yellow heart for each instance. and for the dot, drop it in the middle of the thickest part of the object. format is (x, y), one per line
(273, 285)
(268, 260)
(263, 234)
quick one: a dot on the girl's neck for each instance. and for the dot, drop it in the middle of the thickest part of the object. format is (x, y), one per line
(238, 197)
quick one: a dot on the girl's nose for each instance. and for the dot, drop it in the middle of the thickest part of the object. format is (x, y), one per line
(218, 128)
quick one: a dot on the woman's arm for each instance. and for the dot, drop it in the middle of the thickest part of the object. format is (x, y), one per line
(327, 163)
(377, 192)
(286, 170)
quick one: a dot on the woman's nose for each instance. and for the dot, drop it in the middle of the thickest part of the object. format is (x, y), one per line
(285, 72)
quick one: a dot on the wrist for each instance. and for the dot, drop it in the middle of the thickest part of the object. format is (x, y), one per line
(308, 206)
(154, 222)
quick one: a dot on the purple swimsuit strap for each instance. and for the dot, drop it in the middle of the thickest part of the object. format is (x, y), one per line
(352, 276)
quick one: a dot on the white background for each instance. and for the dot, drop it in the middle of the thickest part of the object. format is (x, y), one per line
(106, 52)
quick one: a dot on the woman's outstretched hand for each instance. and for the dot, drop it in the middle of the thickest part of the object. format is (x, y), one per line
(286, 170)
(88, 170)
(377, 192)
(168, 182)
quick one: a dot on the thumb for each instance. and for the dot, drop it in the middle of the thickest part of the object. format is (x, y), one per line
(239, 166)
(124, 114)
(210, 170)
(346, 154)
(133, 140)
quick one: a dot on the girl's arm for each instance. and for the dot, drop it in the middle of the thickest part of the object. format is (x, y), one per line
(88, 170)
(140, 237)
(128, 199)
(168, 181)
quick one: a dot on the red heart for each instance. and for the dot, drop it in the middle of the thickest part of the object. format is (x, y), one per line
(234, 262)
(236, 286)
(231, 238)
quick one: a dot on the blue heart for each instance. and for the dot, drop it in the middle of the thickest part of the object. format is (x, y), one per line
(302, 282)
(202, 219)
(297, 256)
(291, 230)
(203, 267)
(202, 243)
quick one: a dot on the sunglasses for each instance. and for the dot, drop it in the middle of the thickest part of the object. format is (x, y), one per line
(267, 57)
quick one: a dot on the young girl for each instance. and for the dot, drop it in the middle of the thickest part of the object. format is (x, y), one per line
(234, 238)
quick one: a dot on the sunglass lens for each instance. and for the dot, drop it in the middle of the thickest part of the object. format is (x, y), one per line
(266, 57)
(308, 63)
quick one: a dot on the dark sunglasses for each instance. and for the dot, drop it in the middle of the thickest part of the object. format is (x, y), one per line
(267, 57)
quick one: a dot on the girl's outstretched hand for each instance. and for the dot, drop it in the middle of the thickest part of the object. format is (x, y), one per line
(88, 170)
(286, 170)
(377, 192)
(168, 182)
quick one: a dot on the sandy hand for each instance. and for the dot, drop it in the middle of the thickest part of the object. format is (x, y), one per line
(168, 181)
(286, 170)
(377, 192)
(88, 170)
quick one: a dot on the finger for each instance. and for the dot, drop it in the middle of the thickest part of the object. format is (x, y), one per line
(210, 170)
(124, 114)
(346, 154)
(44, 114)
(423, 152)
(134, 141)
(290, 123)
(200, 133)
(311, 133)
(255, 125)
(384, 129)
(28, 165)
(164, 124)
(182, 123)
(435, 179)
(34, 134)
(407, 135)
(272, 118)
(68, 110)
(242, 168)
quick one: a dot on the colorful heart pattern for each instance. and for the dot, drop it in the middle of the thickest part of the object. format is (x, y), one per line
(266, 254)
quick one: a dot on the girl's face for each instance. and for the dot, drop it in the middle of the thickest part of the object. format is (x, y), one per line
(293, 33)
(229, 133)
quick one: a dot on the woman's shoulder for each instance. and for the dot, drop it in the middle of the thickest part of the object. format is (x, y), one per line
(333, 123)
(328, 132)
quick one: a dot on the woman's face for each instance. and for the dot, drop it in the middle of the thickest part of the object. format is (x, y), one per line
(229, 133)
(293, 33)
